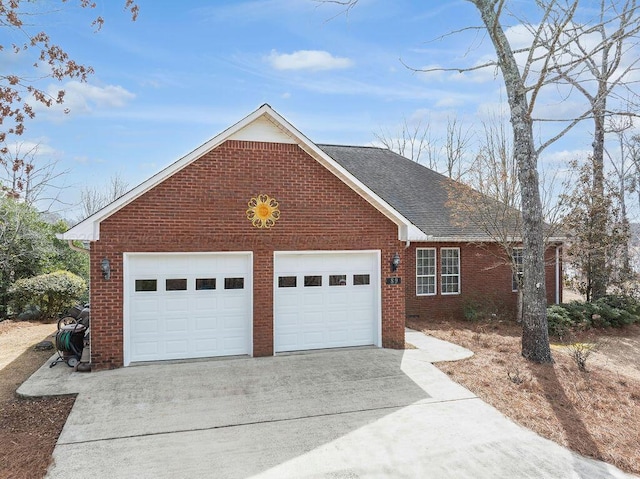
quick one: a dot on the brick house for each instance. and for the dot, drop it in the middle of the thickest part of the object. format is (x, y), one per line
(260, 242)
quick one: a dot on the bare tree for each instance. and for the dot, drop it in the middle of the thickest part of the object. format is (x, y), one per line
(623, 167)
(591, 221)
(446, 155)
(25, 176)
(412, 141)
(455, 146)
(493, 203)
(20, 91)
(595, 60)
(93, 199)
(558, 54)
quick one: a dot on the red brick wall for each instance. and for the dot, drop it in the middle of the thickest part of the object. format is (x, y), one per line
(485, 280)
(203, 208)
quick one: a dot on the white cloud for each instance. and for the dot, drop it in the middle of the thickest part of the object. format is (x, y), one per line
(85, 98)
(449, 102)
(565, 156)
(314, 60)
(31, 148)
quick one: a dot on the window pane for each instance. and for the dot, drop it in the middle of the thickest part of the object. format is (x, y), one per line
(518, 259)
(426, 285)
(205, 283)
(234, 283)
(338, 280)
(361, 279)
(450, 270)
(313, 280)
(287, 281)
(146, 285)
(425, 271)
(450, 284)
(175, 285)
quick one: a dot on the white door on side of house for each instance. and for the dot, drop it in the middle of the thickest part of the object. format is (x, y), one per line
(326, 300)
(187, 305)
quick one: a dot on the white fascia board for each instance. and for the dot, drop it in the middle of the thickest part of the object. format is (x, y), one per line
(89, 228)
(418, 236)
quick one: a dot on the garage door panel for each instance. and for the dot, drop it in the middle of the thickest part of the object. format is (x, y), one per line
(313, 318)
(205, 344)
(343, 311)
(313, 339)
(288, 320)
(145, 304)
(176, 346)
(287, 340)
(338, 335)
(176, 325)
(312, 300)
(192, 322)
(337, 302)
(235, 345)
(361, 334)
(205, 324)
(337, 319)
(177, 305)
(201, 304)
(147, 348)
(146, 326)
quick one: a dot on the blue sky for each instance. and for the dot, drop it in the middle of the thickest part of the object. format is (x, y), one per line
(184, 71)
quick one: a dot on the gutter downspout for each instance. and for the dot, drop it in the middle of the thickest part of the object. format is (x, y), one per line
(77, 248)
(557, 274)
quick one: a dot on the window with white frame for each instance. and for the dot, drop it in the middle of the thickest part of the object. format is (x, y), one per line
(425, 271)
(518, 268)
(450, 270)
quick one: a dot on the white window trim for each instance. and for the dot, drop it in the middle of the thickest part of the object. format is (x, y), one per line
(521, 249)
(442, 275)
(435, 272)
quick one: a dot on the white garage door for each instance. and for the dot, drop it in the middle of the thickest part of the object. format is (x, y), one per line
(187, 305)
(326, 300)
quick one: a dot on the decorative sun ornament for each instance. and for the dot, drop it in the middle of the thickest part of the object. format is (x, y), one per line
(263, 211)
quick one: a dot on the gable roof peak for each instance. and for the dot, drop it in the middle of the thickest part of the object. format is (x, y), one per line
(89, 228)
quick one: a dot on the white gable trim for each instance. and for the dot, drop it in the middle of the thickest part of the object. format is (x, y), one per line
(264, 124)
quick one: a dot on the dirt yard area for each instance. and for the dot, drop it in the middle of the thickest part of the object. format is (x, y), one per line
(595, 413)
(29, 428)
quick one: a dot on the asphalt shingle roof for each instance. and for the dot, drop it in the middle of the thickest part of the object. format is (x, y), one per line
(418, 193)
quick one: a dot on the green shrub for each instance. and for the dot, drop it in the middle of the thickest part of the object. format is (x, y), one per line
(581, 313)
(619, 310)
(559, 320)
(50, 293)
(609, 311)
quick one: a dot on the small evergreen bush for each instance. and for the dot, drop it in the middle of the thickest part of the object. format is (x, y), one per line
(50, 293)
(609, 311)
(559, 320)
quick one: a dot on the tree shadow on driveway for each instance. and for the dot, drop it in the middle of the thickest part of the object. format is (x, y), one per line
(342, 413)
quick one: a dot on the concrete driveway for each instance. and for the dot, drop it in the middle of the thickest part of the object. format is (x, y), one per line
(359, 413)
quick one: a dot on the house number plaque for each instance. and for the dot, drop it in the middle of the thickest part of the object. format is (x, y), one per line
(394, 280)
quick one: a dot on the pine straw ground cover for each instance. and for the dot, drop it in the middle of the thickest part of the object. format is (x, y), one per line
(29, 428)
(595, 413)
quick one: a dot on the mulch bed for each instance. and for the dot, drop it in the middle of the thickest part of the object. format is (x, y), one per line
(595, 413)
(29, 428)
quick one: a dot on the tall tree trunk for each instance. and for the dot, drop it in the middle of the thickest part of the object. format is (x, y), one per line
(535, 335)
(599, 271)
